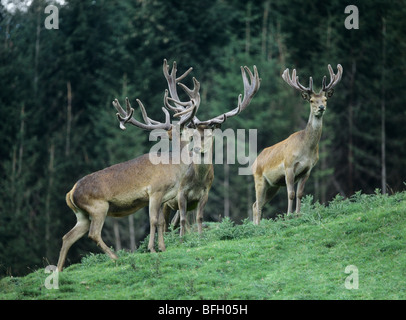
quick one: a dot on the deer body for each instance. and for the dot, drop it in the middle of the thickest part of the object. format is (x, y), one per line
(192, 194)
(195, 183)
(108, 184)
(292, 159)
(118, 191)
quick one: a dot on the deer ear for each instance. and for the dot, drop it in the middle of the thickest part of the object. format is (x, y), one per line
(305, 96)
(329, 93)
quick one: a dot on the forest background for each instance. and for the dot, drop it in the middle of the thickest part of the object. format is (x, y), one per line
(58, 122)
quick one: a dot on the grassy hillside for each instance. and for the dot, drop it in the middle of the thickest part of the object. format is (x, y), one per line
(290, 258)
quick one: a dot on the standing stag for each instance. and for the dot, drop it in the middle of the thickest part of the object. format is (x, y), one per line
(196, 182)
(292, 159)
(124, 188)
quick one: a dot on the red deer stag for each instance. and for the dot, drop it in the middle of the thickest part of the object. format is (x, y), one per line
(197, 179)
(292, 159)
(124, 188)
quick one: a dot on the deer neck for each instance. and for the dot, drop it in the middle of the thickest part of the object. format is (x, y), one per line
(202, 164)
(313, 131)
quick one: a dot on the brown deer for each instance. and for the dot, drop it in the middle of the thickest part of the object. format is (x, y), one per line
(196, 182)
(124, 188)
(292, 159)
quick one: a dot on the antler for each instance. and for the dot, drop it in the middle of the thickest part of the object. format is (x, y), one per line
(185, 110)
(334, 78)
(127, 117)
(294, 81)
(250, 88)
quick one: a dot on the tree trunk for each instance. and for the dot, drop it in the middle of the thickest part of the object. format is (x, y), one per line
(264, 29)
(68, 118)
(383, 110)
(226, 190)
(248, 30)
(21, 148)
(117, 238)
(48, 200)
(37, 47)
(132, 232)
(350, 131)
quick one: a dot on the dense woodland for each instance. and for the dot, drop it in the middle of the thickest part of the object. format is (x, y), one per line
(58, 122)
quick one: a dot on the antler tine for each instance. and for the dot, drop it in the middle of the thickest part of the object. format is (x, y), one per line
(172, 81)
(294, 81)
(147, 119)
(250, 88)
(123, 116)
(168, 105)
(334, 78)
(190, 113)
(127, 117)
(188, 109)
(194, 96)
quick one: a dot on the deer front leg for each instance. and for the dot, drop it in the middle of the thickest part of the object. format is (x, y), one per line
(182, 206)
(166, 211)
(161, 230)
(290, 185)
(260, 193)
(300, 188)
(154, 207)
(200, 209)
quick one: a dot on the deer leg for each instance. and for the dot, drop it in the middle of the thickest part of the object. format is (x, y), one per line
(200, 209)
(260, 193)
(154, 207)
(161, 230)
(182, 205)
(81, 227)
(300, 189)
(261, 190)
(166, 211)
(98, 216)
(175, 219)
(290, 185)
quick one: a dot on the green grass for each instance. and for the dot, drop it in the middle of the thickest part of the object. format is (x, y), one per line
(290, 258)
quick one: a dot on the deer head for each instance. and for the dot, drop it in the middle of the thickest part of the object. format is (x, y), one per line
(202, 131)
(318, 101)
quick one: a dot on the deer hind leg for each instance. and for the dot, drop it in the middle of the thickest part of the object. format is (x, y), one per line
(78, 231)
(98, 213)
